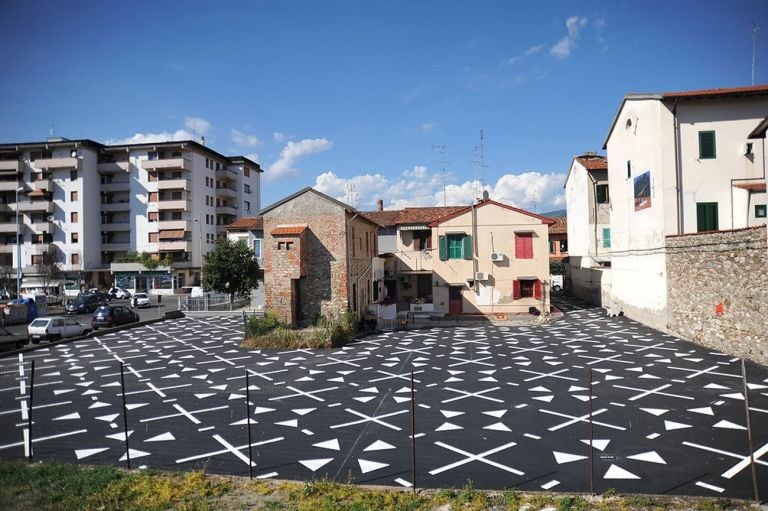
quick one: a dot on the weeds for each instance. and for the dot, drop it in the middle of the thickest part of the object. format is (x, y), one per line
(269, 333)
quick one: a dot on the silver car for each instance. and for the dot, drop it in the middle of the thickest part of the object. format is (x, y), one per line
(53, 328)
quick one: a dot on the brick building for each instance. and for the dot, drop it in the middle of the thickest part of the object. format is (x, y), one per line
(318, 256)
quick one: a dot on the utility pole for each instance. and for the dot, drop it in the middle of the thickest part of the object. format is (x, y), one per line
(755, 31)
(443, 163)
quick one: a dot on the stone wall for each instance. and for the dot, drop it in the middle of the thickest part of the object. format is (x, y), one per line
(718, 291)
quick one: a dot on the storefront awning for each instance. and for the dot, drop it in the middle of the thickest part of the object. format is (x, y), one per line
(415, 227)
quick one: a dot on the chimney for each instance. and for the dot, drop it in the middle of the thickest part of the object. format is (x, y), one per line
(379, 205)
(202, 140)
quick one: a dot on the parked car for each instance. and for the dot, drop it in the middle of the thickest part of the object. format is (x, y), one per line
(54, 327)
(119, 293)
(84, 304)
(140, 300)
(108, 316)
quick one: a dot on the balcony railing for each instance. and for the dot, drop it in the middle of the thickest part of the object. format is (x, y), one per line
(174, 204)
(116, 206)
(13, 165)
(43, 226)
(114, 167)
(116, 246)
(174, 224)
(7, 227)
(43, 205)
(174, 184)
(227, 192)
(9, 186)
(115, 186)
(124, 225)
(168, 163)
(226, 210)
(57, 163)
(174, 245)
(226, 175)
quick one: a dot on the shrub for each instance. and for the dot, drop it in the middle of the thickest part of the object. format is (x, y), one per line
(269, 333)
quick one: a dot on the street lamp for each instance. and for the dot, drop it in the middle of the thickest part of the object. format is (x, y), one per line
(18, 247)
(200, 242)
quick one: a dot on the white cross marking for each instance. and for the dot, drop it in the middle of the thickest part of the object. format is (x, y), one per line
(472, 394)
(475, 361)
(230, 448)
(189, 415)
(606, 359)
(404, 376)
(420, 351)
(708, 370)
(261, 375)
(369, 418)
(302, 393)
(583, 418)
(337, 361)
(645, 393)
(482, 458)
(552, 374)
(741, 465)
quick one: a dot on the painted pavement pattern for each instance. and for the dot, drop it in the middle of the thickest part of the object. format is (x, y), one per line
(502, 406)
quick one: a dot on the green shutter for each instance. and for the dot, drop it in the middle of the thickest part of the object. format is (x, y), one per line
(706, 216)
(467, 252)
(606, 237)
(443, 243)
(707, 146)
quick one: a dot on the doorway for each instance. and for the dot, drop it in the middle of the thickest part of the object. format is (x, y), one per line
(454, 301)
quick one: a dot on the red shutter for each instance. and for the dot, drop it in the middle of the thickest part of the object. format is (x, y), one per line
(537, 290)
(515, 289)
(523, 245)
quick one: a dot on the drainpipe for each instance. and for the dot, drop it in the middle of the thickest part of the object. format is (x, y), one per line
(349, 261)
(678, 172)
(474, 245)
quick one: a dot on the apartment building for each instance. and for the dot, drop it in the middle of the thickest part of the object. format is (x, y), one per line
(90, 204)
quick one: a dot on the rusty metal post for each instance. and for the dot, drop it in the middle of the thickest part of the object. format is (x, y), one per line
(125, 417)
(248, 423)
(29, 410)
(755, 487)
(413, 434)
(591, 449)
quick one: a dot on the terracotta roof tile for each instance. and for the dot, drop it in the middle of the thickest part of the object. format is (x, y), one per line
(288, 230)
(560, 226)
(716, 92)
(385, 218)
(755, 187)
(593, 161)
(407, 216)
(247, 223)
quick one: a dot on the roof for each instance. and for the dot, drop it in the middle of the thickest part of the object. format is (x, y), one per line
(58, 142)
(410, 216)
(308, 189)
(288, 230)
(590, 161)
(753, 187)
(733, 92)
(383, 218)
(247, 223)
(543, 219)
(246, 160)
(759, 131)
(560, 226)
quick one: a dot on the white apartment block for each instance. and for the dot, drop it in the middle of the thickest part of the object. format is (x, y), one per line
(678, 163)
(91, 203)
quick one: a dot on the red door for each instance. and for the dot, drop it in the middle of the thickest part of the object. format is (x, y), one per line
(454, 301)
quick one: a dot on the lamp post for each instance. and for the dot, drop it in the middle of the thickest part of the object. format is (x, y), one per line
(200, 243)
(18, 247)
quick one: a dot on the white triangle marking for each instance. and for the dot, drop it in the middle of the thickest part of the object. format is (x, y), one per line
(369, 466)
(650, 457)
(329, 444)
(616, 472)
(379, 445)
(564, 457)
(315, 464)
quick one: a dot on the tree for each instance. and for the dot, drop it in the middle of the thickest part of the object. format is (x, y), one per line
(7, 278)
(230, 268)
(48, 268)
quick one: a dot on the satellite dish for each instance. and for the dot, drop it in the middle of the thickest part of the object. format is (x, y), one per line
(73, 153)
(49, 218)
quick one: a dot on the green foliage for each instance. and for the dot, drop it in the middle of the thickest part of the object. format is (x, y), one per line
(256, 326)
(573, 504)
(269, 333)
(556, 268)
(231, 268)
(145, 259)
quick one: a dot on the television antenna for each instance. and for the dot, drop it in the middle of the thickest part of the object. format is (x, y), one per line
(478, 159)
(443, 163)
(352, 198)
(755, 31)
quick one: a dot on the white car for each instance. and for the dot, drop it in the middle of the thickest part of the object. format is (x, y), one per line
(55, 327)
(140, 300)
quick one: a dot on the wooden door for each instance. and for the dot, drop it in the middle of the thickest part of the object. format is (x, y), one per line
(454, 301)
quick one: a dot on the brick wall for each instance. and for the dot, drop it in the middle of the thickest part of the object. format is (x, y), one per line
(718, 291)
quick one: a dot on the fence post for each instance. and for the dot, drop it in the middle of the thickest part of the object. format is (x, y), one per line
(749, 433)
(125, 417)
(29, 411)
(413, 434)
(248, 422)
(591, 449)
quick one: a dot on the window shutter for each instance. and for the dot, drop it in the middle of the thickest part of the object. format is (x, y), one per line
(443, 243)
(537, 290)
(707, 144)
(515, 289)
(467, 248)
(523, 245)
(606, 237)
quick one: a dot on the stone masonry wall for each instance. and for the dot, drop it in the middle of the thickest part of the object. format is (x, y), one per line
(718, 291)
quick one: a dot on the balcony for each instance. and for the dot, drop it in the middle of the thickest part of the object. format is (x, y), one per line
(41, 206)
(226, 175)
(116, 226)
(9, 186)
(117, 246)
(174, 184)
(8, 249)
(169, 163)
(12, 165)
(116, 206)
(226, 210)
(57, 163)
(114, 167)
(44, 226)
(174, 245)
(226, 192)
(45, 185)
(174, 204)
(9, 227)
(164, 225)
(116, 186)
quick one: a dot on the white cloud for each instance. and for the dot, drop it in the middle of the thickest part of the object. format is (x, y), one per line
(197, 125)
(427, 127)
(252, 157)
(278, 137)
(533, 50)
(292, 152)
(562, 49)
(244, 139)
(149, 138)
(533, 191)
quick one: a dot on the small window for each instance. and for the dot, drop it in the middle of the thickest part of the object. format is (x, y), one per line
(247, 206)
(526, 289)
(454, 246)
(422, 240)
(707, 146)
(246, 171)
(73, 196)
(75, 259)
(761, 211)
(602, 194)
(606, 237)
(524, 245)
(153, 216)
(75, 237)
(563, 246)
(257, 248)
(247, 188)
(73, 175)
(706, 216)
(288, 245)
(152, 197)
(281, 245)
(551, 247)
(37, 259)
(152, 237)
(629, 169)
(74, 218)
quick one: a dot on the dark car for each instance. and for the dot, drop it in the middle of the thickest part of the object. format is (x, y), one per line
(108, 316)
(84, 304)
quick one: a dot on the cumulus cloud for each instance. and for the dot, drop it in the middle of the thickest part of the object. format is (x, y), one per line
(244, 139)
(194, 127)
(285, 165)
(562, 49)
(427, 127)
(418, 186)
(197, 125)
(533, 50)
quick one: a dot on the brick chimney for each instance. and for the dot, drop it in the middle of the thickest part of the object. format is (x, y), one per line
(379, 205)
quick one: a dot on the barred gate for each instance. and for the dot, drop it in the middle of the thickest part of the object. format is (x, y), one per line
(213, 302)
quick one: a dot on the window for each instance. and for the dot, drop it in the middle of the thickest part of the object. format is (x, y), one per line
(606, 237)
(551, 247)
(629, 169)
(257, 249)
(246, 171)
(761, 211)
(153, 237)
(706, 216)
(74, 237)
(37, 259)
(73, 196)
(422, 240)
(524, 245)
(73, 175)
(75, 259)
(152, 197)
(707, 149)
(247, 188)
(455, 246)
(153, 216)
(526, 288)
(602, 194)
(73, 217)
(247, 206)
(564, 246)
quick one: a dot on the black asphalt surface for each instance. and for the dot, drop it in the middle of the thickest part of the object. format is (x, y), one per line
(501, 406)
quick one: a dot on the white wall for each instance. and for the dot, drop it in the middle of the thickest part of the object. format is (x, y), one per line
(577, 207)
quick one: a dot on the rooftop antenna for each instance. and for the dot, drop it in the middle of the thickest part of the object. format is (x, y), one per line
(755, 31)
(351, 197)
(441, 148)
(52, 129)
(479, 162)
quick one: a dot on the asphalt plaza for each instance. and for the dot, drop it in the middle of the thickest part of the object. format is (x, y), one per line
(502, 406)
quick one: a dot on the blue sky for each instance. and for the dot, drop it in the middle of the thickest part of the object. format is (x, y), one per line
(338, 93)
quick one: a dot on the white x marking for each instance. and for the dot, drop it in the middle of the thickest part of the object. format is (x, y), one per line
(370, 418)
(552, 374)
(645, 393)
(583, 418)
(472, 394)
(482, 458)
(741, 465)
(302, 393)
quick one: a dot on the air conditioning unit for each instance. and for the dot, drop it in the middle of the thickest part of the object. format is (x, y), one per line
(481, 276)
(497, 256)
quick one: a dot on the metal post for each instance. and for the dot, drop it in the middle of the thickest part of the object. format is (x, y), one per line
(413, 434)
(125, 417)
(749, 433)
(18, 249)
(29, 411)
(248, 423)
(591, 449)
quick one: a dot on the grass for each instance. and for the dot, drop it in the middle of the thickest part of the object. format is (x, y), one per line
(269, 333)
(52, 486)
